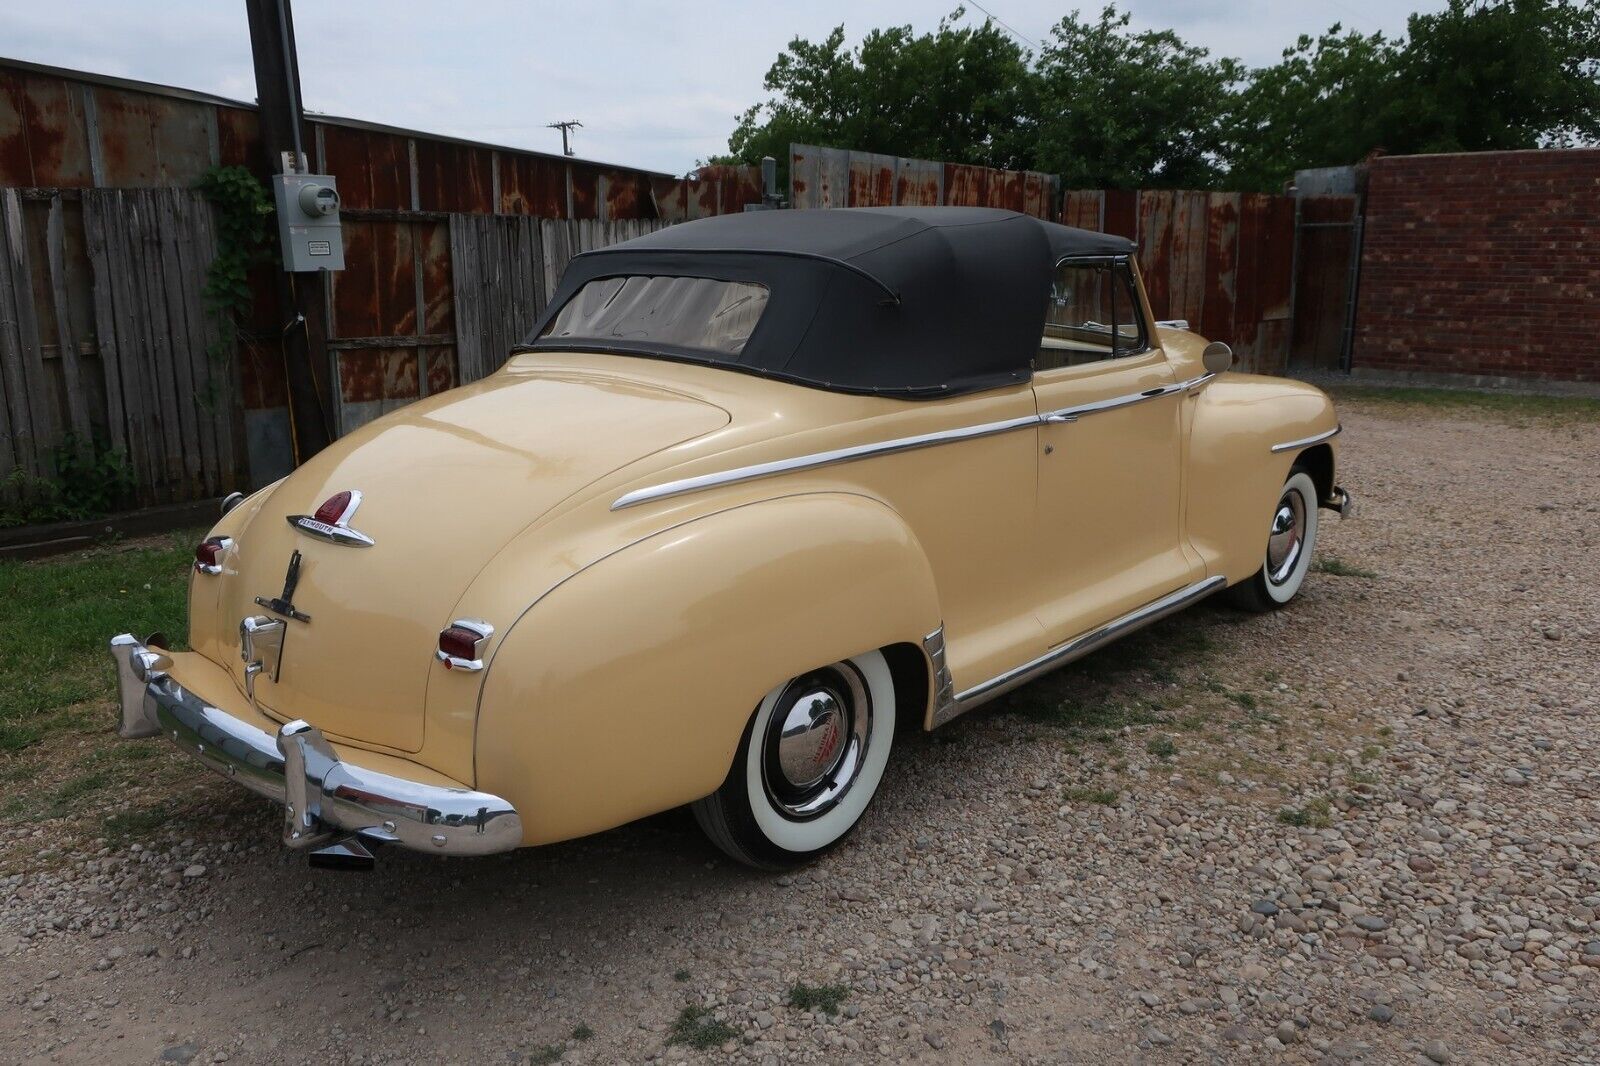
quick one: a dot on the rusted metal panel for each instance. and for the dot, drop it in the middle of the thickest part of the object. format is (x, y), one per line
(454, 177)
(361, 375)
(400, 372)
(432, 240)
(1221, 278)
(818, 177)
(965, 186)
(627, 195)
(43, 133)
(441, 368)
(805, 172)
(374, 169)
(239, 138)
(1276, 280)
(1039, 195)
(1155, 248)
(1081, 208)
(585, 190)
(871, 180)
(1120, 214)
(1248, 304)
(532, 185)
(149, 140)
(671, 198)
(1186, 263)
(918, 183)
(375, 294)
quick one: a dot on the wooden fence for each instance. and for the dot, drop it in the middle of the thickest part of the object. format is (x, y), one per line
(505, 269)
(146, 376)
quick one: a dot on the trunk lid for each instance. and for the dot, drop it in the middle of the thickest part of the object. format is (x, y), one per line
(444, 484)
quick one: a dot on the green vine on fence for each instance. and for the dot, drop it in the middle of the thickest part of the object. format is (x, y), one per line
(244, 240)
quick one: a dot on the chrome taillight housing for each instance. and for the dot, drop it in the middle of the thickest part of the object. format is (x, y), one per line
(209, 553)
(461, 644)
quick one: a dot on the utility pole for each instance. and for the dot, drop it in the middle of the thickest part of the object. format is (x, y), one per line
(565, 128)
(300, 297)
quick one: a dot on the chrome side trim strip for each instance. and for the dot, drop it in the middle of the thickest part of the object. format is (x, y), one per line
(818, 459)
(1078, 647)
(1072, 414)
(1305, 442)
(889, 447)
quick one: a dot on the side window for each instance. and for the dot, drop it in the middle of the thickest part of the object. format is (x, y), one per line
(1093, 315)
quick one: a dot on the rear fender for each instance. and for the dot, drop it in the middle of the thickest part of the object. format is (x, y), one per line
(625, 690)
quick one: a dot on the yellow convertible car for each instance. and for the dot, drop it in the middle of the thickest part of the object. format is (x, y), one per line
(757, 491)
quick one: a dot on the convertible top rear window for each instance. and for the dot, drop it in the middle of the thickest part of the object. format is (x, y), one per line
(700, 313)
(896, 301)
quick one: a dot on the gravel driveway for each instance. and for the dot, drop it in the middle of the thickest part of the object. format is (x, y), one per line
(1366, 828)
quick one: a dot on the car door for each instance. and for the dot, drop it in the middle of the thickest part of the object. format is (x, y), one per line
(1108, 536)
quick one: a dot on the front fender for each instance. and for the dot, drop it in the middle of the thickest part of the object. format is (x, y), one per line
(625, 690)
(1234, 476)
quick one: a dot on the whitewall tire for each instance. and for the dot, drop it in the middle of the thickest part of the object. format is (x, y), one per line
(809, 762)
(1291, 542)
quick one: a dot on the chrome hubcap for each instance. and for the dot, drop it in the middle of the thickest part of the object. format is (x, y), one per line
(1288, 537)
(815, 741)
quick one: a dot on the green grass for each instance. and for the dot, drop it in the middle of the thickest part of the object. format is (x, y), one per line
(1104, 797)
(582, 1032)
(1313, 814)
(544, 1056)
(1161, 747)
(1510, 405)
(58, 614)
(697, 1028)
(1332, 564)
(824, 998)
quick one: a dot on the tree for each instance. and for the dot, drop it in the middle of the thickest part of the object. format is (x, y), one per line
(1105, 106)
(1487, 75)
(1319, 106)
(1481, 75)
(1121, 109)
(958, 94)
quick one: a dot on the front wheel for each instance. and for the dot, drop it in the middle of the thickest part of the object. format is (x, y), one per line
(808, 764)
(1291, 539)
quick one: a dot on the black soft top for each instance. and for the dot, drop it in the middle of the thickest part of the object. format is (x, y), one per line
(907, 301)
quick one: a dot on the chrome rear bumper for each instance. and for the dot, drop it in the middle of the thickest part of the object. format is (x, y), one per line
(324, 796)
(1340, 502)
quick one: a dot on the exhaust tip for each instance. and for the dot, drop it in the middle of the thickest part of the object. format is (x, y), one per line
(347, 854)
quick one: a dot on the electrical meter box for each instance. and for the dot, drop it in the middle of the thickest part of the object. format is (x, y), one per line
(308, 221)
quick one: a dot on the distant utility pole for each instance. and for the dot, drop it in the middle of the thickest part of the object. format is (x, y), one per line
(300, 299)
(565, 128)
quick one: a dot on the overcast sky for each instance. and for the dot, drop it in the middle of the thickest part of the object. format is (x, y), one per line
(655, 84)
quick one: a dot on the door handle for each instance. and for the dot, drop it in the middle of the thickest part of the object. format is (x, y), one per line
(1059, 418)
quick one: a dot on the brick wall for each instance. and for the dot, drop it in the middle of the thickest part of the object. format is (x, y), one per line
(1482, 264)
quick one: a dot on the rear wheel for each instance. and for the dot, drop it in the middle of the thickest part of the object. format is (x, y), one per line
(808, 764)
(1291, 538)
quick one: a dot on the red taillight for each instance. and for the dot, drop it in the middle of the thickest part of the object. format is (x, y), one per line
(333, 508)
(461, 644)
(208, 554)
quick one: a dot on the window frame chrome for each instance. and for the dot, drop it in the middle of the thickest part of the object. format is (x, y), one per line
(1140, 312)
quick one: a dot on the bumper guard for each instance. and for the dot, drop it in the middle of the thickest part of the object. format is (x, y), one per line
(325, 798)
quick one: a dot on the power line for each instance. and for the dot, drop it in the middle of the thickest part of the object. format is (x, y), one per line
(1007, 26)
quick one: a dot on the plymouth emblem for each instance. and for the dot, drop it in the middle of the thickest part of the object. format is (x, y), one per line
(332, 520)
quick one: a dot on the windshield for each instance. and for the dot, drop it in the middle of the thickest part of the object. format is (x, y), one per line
(700, 313)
